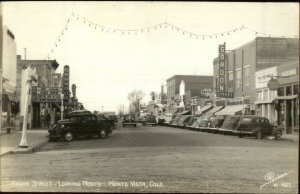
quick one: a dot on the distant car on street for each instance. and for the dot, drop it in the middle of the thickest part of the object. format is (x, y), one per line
(80, 123)
(149, 120)
(258, 127)
(129, 119)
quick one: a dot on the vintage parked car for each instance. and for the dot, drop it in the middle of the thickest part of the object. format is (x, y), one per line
(129, 119)
(184, 120)
(230, 124)
(257, 126)
(174, 121)
(217, 121)
(203, 123)
(140, 119)
(149, 120)
(80, 123)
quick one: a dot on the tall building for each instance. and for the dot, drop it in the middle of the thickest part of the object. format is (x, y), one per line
(9, 73)
(194, 85)
(242, 63)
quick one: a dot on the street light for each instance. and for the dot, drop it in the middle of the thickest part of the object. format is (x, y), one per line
(31, 75)
(23, 143)
(62, 107)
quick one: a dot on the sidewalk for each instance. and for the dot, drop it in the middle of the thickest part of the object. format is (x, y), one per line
(9, 142)
(291, 137)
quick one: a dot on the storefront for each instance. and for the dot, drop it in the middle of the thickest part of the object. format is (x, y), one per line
(10, 109)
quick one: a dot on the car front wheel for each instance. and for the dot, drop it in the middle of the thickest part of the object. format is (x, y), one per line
(102, 134)
(259, 134)
(68, 136)
(278, 134)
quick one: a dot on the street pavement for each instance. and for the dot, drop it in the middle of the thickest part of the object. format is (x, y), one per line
(156, 159)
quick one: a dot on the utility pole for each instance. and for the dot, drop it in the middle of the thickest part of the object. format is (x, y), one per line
(1, 49)
(25, 53)
(62, 107)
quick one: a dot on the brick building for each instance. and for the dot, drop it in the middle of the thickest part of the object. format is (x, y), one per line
(194, 85)
(242, 63)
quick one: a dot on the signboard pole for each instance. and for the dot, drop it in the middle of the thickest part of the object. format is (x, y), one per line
(62, 107)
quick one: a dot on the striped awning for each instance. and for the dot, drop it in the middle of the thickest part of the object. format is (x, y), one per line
(213, 110)
(204, 109)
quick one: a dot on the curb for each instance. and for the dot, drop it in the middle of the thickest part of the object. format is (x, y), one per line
(28, 150)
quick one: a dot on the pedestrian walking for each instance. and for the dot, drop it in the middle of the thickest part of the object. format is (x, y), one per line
(48, 119)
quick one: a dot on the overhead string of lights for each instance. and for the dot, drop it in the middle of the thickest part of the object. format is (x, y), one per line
(148, 29)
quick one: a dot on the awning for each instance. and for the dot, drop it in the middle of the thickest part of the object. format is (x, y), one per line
(231, 110)
(204, 109)
(213, 110)
(291, 97)
(263, 102)
(185, 112)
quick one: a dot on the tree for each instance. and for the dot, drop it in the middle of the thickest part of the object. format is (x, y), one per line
(135, 98)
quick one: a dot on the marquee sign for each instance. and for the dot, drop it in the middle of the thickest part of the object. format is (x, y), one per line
(66, 81)
(221, 92)
(221, 68)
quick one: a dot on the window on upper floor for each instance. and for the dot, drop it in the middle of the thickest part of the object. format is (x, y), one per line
(288, 90)
(280, 91)
(238, 78)
(296, 90)
(259, 95)
(265, 95)
(246, 76)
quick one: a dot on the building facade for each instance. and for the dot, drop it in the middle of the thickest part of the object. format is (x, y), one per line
(45, 98)
(194, 85)
(242, 63)
(287, 100)
(10, 100)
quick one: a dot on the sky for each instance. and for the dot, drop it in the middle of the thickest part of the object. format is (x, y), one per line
(107, 65)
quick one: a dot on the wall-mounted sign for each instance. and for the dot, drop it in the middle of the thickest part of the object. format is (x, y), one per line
(225, 94)
(221, 86)
(66, 81)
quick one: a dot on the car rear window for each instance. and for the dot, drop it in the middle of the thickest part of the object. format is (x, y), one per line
(246, 120)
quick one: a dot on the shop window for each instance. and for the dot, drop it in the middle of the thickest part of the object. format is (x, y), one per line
(281, 91)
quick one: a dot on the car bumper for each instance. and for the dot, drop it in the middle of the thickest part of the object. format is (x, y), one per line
(244, 132)
(225, 130)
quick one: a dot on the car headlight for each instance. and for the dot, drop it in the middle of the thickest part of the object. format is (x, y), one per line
(62, 126)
